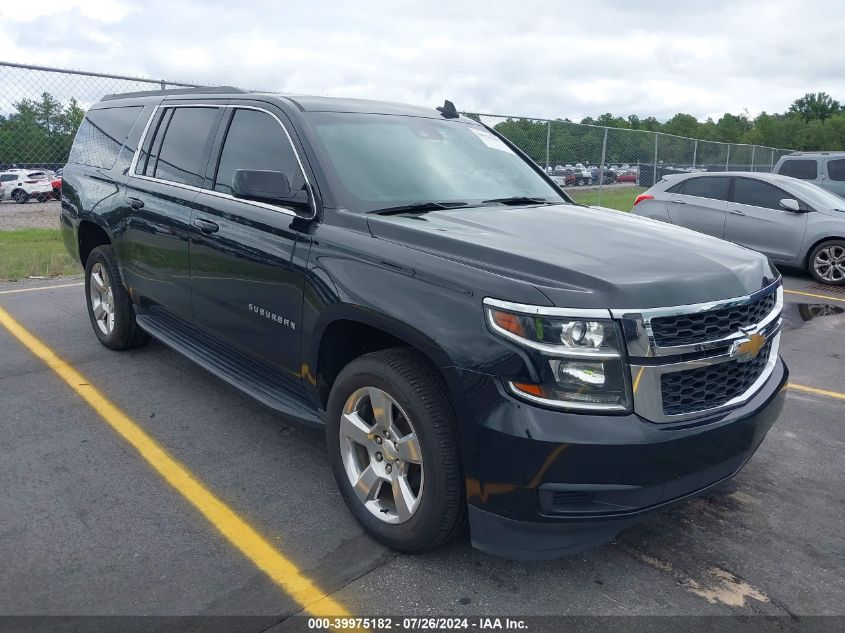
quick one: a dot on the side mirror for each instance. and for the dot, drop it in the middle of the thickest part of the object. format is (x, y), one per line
(791, 204)
(265, 185)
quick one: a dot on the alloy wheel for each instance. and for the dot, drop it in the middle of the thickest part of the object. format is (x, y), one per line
(102, 299)
(829, 263)
(381, 455)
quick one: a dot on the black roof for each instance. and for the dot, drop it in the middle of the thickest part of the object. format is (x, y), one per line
(304, 103)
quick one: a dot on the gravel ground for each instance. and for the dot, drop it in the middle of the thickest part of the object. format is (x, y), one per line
(32, 215)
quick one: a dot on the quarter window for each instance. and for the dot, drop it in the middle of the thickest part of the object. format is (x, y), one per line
(799, 168)
(182, 156)
(715, 188)
(255, 140)
(836, 169)
(101, 135)
(758, 194)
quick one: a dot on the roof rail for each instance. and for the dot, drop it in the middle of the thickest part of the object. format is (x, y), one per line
(175, 91)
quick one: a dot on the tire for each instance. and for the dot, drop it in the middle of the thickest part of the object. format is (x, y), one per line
(20, 196)
(420, 405)
(826, 263)
(105, 294)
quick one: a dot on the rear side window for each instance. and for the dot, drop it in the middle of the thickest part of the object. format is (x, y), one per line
(803, 168)
(676, 188)
(715, 188)
(758, 194)
(255, 140)
(101, 135)
(180, 146)
(836, 169)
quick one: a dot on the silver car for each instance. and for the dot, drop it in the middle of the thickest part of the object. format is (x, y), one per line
(792, 221)
(825, 169)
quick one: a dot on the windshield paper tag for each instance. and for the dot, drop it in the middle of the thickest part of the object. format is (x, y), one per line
(490, 140)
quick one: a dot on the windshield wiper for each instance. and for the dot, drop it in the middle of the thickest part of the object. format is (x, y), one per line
(419, 207)
(517, 200)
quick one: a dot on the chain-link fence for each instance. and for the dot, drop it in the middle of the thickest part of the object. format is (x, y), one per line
(41, 108)
(591, 155)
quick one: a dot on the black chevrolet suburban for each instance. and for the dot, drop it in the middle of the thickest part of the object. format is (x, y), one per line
(478, 348)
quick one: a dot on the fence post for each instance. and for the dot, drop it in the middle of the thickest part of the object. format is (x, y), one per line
(753, 149)
(163, 85)
(694, 153)
(654, 176)
(728, 159)
(772, 166)
(548, 142)
(601, 164)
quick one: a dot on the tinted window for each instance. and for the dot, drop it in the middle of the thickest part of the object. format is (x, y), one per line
(255, 140)
(676, 188)
(182, 157)
(758, 194)
(715, 188)
(836, 169)
(799, 168)
(8, 177)
(101, 136)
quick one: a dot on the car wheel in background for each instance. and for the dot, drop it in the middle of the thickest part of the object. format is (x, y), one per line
(390, 433)
(20, 196)
(109, 306)
(827, 262)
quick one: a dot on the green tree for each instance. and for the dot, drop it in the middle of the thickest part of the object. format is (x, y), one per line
(815, 106)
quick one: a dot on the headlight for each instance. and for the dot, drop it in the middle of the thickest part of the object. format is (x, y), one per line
(580, 355)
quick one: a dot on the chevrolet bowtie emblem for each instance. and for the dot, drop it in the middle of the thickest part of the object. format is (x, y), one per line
(746, 349)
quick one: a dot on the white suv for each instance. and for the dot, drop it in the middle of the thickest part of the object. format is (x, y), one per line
(22, 184)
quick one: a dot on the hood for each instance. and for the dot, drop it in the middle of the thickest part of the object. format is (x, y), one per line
(585, 257)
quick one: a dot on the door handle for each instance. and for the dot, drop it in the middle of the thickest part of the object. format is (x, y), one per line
(736, 212)
(678, 202)
(206, 226)
(135, 203)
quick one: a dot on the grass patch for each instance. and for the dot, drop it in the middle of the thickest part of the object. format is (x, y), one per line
(621, 198)
(34, 252)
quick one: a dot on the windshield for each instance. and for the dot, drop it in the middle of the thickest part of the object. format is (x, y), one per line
(380, 161)
(816, 196)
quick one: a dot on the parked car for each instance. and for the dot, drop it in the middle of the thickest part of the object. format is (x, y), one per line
(825, 169)
(564, 177)
(794, 222)
(2, 192)
(56, 184)
(23, 184)
(627, 176)
(462, 331)
(583, 176)
(606, 175)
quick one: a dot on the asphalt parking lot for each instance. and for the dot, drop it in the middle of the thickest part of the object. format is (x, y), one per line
(89, 527)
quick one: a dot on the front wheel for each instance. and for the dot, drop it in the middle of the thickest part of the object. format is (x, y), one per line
(20, 196)
(391, 437)
(827, 262)
(109, 306)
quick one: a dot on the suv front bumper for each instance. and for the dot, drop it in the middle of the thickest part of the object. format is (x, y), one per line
(543, 484)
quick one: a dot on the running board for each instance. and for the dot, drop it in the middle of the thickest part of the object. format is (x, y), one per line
(266, 384)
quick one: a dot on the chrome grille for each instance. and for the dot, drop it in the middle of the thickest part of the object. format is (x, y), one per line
(711, 386)
(684, 329)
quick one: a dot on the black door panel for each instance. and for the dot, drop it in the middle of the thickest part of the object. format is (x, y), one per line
(156, 244)
(244, 285)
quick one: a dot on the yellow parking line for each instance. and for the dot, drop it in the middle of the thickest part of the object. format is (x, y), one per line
(244, 537)
(818, 392)
(10, 292)
(810, 294)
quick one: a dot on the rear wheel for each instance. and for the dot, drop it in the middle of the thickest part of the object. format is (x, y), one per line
(20, 196)
(109, 306)
(827, 262)
(391, 438)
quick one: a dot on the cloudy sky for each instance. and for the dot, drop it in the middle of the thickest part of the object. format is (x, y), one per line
(544, 59)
